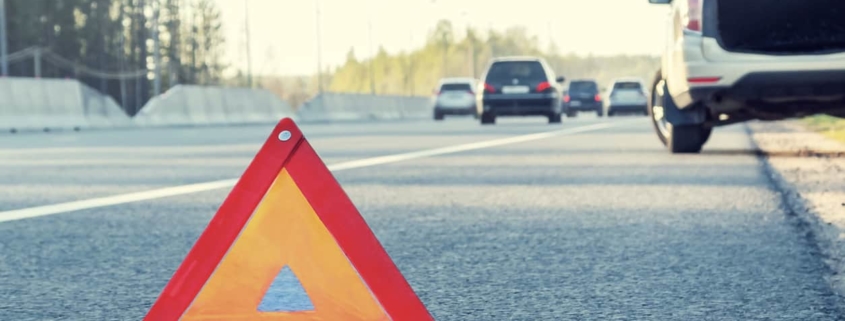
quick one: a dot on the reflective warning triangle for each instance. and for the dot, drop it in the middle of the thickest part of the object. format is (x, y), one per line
(287, 244)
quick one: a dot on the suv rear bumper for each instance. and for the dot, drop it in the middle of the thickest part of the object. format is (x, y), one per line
(454, 110)
(784, 92)
(521, 105)
(750, 77)
(627, 108)
(585, 106)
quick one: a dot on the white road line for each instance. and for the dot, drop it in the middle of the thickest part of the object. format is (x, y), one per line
(61, 208)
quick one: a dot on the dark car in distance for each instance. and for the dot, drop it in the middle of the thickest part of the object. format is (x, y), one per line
(582, 95)
(519, 86)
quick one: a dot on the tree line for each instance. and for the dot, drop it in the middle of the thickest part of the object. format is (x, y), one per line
(115, 39)
(109, 44)
(445, 54)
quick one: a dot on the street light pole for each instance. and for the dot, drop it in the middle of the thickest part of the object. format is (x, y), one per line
(156, 50)
(411, 65)
(471, 49)
(319, 49)
(445, 53)
(489, 40)
(248, 45)
(121, 56)
(4, 44)
(372, 58)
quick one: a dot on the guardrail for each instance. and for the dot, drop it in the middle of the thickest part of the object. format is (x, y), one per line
(28, 104)
(187, 105)
(339, 107)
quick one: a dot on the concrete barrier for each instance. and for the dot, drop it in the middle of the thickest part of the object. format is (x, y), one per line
(28, 104)
(102, 111)
(188, 105)
(339, 107)
(38, 104)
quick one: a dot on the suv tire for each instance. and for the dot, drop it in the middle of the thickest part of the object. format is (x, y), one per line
(555, 119)
(688, 139)
(679, 139)
(488, 119)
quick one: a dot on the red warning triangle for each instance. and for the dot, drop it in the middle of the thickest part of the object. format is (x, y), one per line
(287, 226)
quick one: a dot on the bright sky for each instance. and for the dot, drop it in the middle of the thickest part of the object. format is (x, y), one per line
(283, 32)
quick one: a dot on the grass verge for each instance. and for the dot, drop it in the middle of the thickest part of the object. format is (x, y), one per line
(829, 126)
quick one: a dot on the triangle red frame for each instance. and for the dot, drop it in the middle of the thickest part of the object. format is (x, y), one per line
(329, 201)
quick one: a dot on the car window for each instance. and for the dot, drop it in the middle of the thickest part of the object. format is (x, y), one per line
(583, 87)
(455, 87)
(526, 72)
(627, 86)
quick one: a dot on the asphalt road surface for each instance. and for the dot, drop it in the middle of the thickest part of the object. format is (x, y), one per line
(586, 223)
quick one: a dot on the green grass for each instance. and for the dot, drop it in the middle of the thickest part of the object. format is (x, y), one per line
(829, 126)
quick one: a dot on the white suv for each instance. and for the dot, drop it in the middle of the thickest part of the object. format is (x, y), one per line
(454, 96)
(730, 61)
(627, 95)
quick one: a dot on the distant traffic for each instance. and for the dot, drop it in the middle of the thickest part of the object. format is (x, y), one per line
(528, 86)
(724, 73)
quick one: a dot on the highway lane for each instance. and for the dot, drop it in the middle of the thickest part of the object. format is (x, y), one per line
(593, 226)
(102, 163)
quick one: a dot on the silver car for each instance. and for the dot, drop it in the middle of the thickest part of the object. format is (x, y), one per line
(454, 96)
(627, 95)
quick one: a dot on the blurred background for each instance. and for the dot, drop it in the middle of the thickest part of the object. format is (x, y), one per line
(125, 123)
(133, 50)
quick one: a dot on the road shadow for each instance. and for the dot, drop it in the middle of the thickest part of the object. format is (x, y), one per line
(802, 153)
(556, 175)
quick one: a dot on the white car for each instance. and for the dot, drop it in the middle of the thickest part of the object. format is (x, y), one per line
(730, 61)
(627, 95)
(454, 96)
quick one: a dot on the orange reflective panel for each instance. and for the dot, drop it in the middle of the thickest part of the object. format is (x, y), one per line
(285, 232)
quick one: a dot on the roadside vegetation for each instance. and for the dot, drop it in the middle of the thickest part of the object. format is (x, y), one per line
(828, 125)
(108, 45)
(453, 53)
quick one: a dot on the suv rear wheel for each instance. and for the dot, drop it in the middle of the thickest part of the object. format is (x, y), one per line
(687, 138)
(488, 119)
(555, 119)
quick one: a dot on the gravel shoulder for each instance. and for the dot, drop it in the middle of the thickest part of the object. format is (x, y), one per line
(809, 169)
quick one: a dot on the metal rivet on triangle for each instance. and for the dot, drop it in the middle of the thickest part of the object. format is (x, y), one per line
(284, 135)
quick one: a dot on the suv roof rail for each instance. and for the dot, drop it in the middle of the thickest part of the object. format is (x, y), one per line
(517, 58)
(452, 80)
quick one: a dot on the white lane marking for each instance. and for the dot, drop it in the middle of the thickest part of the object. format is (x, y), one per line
(38, 211)
(462, 148)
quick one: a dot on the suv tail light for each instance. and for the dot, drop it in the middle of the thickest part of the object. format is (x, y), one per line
(489, 88)
(543, 86)
(566, 98)
(704, 80)
(597, 97)
(692, 18)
